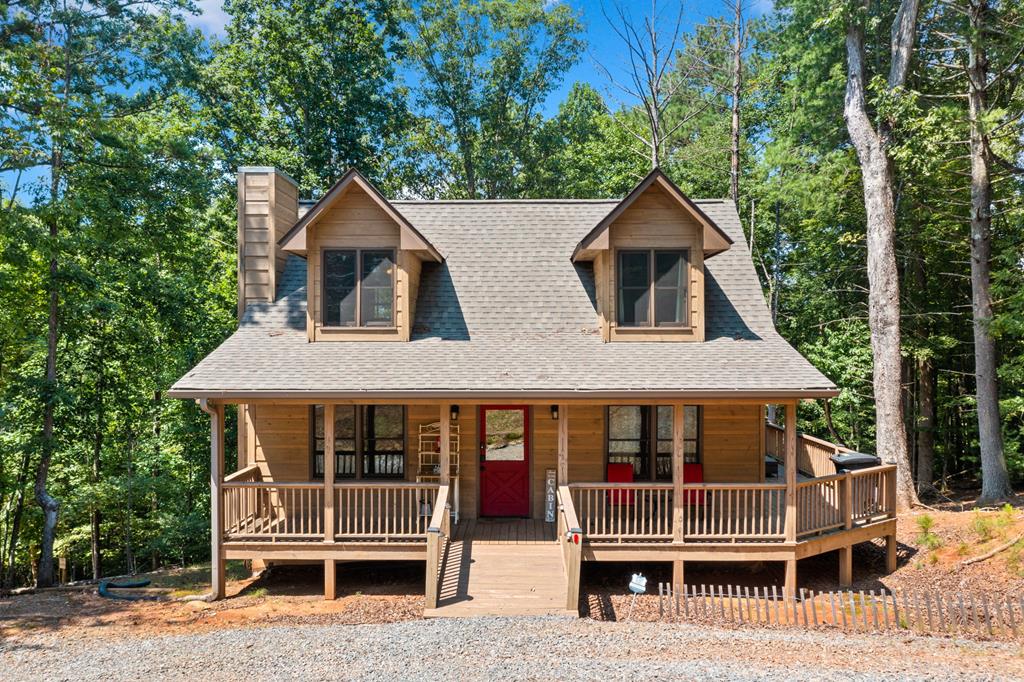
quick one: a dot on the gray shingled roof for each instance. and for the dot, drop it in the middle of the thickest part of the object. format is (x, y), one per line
(507, 313)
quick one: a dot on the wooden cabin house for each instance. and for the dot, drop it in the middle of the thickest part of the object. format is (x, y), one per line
(539, 383)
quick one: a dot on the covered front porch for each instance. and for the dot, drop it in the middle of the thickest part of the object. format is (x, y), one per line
(287, 502)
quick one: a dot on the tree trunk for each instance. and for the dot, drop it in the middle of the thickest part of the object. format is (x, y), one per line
(19, 512)
(46, 502)
(925, 431)
(776, 283)
(737, 84)
(155, 473)
(832, 433)
(995, 481)
(97, 448)
(883, 279)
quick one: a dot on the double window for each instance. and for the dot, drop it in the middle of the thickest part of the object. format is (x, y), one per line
(652, 288)
(358, 288)
(369, 441)
(641, 435)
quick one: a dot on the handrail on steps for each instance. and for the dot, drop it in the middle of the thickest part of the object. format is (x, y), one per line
(438, 530)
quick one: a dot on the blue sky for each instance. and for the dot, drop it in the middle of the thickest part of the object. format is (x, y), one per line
(603, 45)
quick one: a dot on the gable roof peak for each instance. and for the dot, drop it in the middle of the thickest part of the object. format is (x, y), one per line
(412, 239)
(715, 238)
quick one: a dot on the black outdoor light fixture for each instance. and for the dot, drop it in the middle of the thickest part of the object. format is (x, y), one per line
(455, 413)
(554, 411)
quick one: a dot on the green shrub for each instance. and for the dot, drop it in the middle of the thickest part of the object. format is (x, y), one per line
(984, 526)
(927, 538)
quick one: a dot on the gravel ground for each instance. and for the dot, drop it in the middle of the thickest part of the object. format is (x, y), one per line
(505, 649)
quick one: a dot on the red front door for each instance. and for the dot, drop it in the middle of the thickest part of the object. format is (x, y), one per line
(504, 461)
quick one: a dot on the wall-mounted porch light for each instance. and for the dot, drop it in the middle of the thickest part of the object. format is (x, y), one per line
(455, 412)
(554, 411)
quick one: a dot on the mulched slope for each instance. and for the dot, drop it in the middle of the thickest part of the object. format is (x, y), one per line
(920, 569)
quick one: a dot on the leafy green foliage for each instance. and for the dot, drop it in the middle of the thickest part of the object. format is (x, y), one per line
(484, 69)
(138, 142)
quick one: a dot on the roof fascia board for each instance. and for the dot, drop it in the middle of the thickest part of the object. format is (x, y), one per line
(411, 238)
(429, 394)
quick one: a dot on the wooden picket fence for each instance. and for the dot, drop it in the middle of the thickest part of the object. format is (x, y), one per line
(930, 612)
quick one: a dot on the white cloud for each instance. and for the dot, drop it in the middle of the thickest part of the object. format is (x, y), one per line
(212, 18)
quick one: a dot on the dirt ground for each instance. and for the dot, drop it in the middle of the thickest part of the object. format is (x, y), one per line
(289, 595)
(393, 592)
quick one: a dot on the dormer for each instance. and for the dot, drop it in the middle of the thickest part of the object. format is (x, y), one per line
(648, 255)
(363, 262)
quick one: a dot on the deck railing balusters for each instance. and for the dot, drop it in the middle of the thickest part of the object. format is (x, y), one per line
(266, 510)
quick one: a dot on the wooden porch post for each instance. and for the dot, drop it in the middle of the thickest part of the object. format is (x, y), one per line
(216, 412)
(890, 553)
(329, 473)
(563, 444)
(790, 586)
(243, 436)
(330, 578)
(791, 511)
(444, 457)
(845, 566)
(678, 496)
(790, 467)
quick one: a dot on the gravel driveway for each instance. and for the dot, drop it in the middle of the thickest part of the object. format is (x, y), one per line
(505, 648)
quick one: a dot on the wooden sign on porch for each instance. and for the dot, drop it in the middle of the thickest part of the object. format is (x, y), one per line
(549, 495)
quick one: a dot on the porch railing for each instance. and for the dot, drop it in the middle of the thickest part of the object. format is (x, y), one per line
(812, 454)
(254, 510)
(732, 512)
(819, 504)
(623, 511)
(384, 511)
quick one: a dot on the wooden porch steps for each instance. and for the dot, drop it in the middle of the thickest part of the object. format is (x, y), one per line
(501, 579)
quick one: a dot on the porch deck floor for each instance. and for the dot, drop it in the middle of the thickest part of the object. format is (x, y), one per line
(504, 531)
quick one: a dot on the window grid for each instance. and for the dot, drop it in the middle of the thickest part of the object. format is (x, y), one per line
(359, 452)
(653, 427)
(369, 299)
(659, 288)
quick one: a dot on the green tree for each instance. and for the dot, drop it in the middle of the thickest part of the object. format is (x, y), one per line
(483, 71)
(93, 99)
(309, 87)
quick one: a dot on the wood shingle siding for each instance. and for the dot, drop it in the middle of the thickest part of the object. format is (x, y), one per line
(267, 208)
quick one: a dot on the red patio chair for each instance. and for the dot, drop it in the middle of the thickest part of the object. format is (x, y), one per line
(694, 473)
(620, 473)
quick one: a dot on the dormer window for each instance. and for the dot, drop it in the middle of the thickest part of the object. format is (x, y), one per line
(359, 287)
(652, 288)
